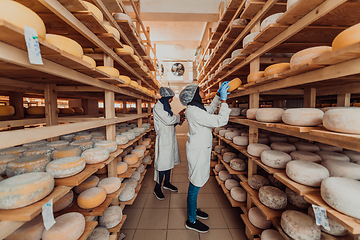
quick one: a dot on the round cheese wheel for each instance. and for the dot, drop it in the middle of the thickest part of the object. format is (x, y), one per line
(99, 233)
(274, 138)
(300, 226)
(228, 156)
(345, 120)
(25, 189)
(330, 148)
(66, 44)
(31, 230)
(35, 110)
(136, 175)
(141, 168)
(126, 79)
(347, 37)
(127, 194)
(36, 144)
(305, 156)
(272, 197)
(146, 143)
(65, 167)
(353, 155)
(123, 16)
(83, 136)
(34, 163)
(292, 139)
(142, 147)
(219, 167)
(283, 147)
(68, 137)
(225, 150)
(131, 159)
(121, 139)
(122, 167)
(238, 194)
(328, 155)
(251, 113)
(271, 234)
(4, 160)
(110, 184)
(63, 202)
(129, 135)
(91, 198)
(241, 140)
(83, 144)
(238, 52)
(257, 219)
(111, 146)
(126, 50)
(295, 199)
(114, 31)
(307, 55)
(237, 164)
(230, 183)
(90, 182)
(253, 77)
(58, 144)
(131, 182)
(306, 117)
(226, 61)
(306, 147)
(269, 20)
(95, 155)
(147, 159)
(6, 110)
(78, 110)
(276, 69)
(222, 132)
(234, 84)
(138, 152)
(235, 112)
(66, 111)
(96, 11)
(257, 181)
(113, 72)
(13, 150)
(306, 173)
(68, 226)
(111, 217)
(70, 151)
(89, 60)
(39, 151)
(276, 183)
(249, 38)
(269, 114)
(239, 21)
(255, 149)
(217, 129)
(290, 3)
(23, 16)
(224, 175)
(342, 169)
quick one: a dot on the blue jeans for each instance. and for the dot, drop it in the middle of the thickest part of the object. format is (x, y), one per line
(161, 176)
(192, 202)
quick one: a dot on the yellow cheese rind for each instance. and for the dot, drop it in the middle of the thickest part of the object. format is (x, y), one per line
(6, 110)
(96, 11)
(65, 167)
(126, 79)
(234, 84)
(131, 159)
(33, 163)
(276, 69)
(91, 198)
(253, 77)
(126, 50)
(307, 55)
(114, 31)
(35, 110)
(113, 72)
(66, 44)
(122, 167)
(347, 37)
(111, 146)
(89, 60)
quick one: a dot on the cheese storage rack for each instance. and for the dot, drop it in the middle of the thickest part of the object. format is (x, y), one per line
(64, 76)
(333, 75)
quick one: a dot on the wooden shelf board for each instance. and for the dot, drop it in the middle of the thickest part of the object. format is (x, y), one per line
(144, 172)
(220, 182)
(300, 69)
(131, 142)
(253, 230)
(297, 128)
(110, 40)
(116, 194)
(215, 172)
(235, 203)
(298, 188)
(113, 80)
(117, 228)
(339, 55)
(109, 160)
(270, 32)
(91, 22)
(29, 212)
(213, 164)
(89, 228)
(127, 174)
(78, 178)
(137, 189)
(266, 168)
(95, 73)
(234, 31)
(242, 177)
(98, 211)
(230, 170)
(252, 8)
(149, 163)
(336, 136)
(130, 202)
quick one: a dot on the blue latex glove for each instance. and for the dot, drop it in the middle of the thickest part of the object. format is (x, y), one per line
(223, 90)
(221, 86)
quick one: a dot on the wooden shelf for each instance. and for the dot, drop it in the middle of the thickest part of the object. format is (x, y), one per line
(77, 179)
(354, 138)
(298, 188)
(213, 164)
(235, 203)
(339, 55)
(131, 142)
(143, 173)
(215, 172)
(137, 189)
(98, 211)
(117, 228)
(116, 194)
(297, 128)
(29, 212)
(149, 163)
(127, 174)
(130, 33)
(130, 202)
(276, 223)
(89, 228)
(253, 230)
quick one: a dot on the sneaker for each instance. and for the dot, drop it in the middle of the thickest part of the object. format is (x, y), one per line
(202, 215)
(158, 193)
(197, 226)
(170, 187)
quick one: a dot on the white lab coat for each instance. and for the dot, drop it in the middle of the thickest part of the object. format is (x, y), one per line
(199, 142)
(166, 145)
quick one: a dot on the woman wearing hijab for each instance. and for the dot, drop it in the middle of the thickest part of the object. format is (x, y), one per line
(201, 120)
(166, 145)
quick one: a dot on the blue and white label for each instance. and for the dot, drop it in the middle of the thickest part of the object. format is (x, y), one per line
(32, 44)
(321, 217)
(48, 215)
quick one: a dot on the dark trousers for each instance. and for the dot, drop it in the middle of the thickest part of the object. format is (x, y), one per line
(161, 177)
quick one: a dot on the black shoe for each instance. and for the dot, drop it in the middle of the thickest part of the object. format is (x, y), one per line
(202, 215)
(197, 226)
(158, 193)
(170, 187)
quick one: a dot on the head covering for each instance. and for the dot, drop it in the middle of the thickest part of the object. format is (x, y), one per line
(197, 101)
(166, 92)
(165, 102)
(188, 93)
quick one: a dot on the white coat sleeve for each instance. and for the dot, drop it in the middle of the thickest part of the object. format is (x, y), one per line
(166, 119)
(213, 105)
(211, 120)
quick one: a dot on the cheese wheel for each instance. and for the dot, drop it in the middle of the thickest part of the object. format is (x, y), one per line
(36, 144)
(89, 60)
(23, 16)
(69, 226)
(249, 38)
(271, 234)
(123, 16)
(276, 69)
(307, 55)
(223, 131)
(111, 146)
(126, 79)
(306, 147)
(66, 111)
(353, 155)
(257, 181)
(65, 44)
(65, 167)
(328, 155)
(269, 114)
(35, 110)
(224, 175)
(225, 150)
(63, 202)
(6, 110)
(83, 144)
(138, 152)
(91, 198)
(230, 183)
(99, 233)
(33, 163)
(238, 52)
(131, 183)
(257, 219)
(39, 151)
(255, 149)
(96, 11)
(330, 148)
(269, 20)
(121, 139)
(69, 151)
(83, 136)
(276, 183)
(141, 168)
(234, 84)
(131, 159)
(300, 226)
(95, 155)
(255, 76)
(241, 140)
(283, 147)
(25, 189)
(272, 197)
(126, 50)
(113, 72)
(342, 169)
(231, 135)
(114, 31)
(238, 194)
(217, 129)
(58, 144)
(129, 135)
(306, 117)
(136, 175)
(235, 112)
(146, 142)
(31, 230)
(306, 173)
(142, 147)
(251, 113)
(219, 167)
(305, 156)
(295, 199)
(228, 156)
(344, 120)
(68, 137)
(110, 184)
(237, 164)
(347, 37)
(263, 140)
(122, 167)
(4, 160)
(111, 217)
(90, 182)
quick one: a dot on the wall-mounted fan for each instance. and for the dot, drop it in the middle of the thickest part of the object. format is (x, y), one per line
(178, 69)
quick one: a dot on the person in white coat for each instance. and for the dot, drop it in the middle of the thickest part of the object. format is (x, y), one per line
(166, 145)
(201, 120)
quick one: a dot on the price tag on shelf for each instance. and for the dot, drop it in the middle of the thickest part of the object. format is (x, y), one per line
(32, 44)
(48, 215)
(321, 217)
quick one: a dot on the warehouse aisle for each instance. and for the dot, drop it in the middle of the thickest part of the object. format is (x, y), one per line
(151, 219)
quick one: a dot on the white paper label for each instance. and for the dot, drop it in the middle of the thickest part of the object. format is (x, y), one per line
(48, 215)
(321, 217)
(32, 43)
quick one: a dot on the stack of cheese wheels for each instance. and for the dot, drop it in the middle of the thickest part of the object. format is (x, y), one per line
(35, 163)
(110, 184)
(69, 151)
(58, 144)
(249, 38)
(91, 198)
(25, 189)
(66, 44)
(295, 199)
(238, 194)
(298, 225)
(258, 181)
(127, 194)
(276, 69)
(13, 150)
(90, 182)
(234, 84)
(63, 202)
(344, 120)
(307, 55)
(65, 167)
(83, 144)
(69, 226)
(257, 219)
(306, 117)
(6, 110)
(126, 50)
(95, 155)
(269, 114)
(131, 159)
(99, 233)
(46, 150)
(30, 230)
(253, 77)
(306, 173)
(89, 60)
(4, 160)
(272, 197)
(113, 72)
(126, 79)
(92, 8)
(347, 37)
(111, 217)
(35, 110)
